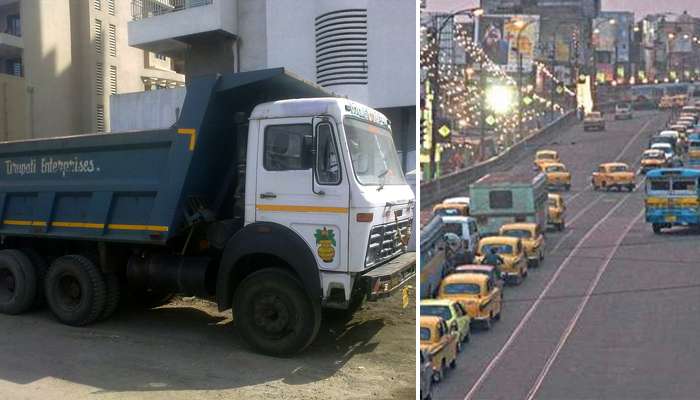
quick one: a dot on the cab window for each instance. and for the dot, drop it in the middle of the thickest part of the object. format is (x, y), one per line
(327, 162)
(284, 147)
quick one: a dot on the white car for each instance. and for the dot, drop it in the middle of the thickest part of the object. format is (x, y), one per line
(670, 133)
(668, 152)
(467, 230)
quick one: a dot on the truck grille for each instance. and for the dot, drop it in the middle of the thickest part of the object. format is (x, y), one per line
(385, 241)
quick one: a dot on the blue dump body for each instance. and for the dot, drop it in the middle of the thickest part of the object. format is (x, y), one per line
(143, 187)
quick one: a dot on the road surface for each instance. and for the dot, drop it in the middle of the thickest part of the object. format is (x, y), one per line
(613, 312)
(188, 350)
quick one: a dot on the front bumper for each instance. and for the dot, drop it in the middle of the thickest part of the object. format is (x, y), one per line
(672, 217)
(383, 280)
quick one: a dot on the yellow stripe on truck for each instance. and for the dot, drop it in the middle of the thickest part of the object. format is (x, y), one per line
(288, 208)
(88, 225)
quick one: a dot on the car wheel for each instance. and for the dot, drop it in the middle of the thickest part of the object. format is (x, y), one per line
(656, 228)
(18, 282)
(453, 363)
(630, 188)
(487, 323)
(439, 375)
(468, 337)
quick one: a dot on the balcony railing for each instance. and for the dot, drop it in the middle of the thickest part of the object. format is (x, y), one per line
(141, 9)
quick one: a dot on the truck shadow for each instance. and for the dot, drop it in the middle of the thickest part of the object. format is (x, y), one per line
(168, 348)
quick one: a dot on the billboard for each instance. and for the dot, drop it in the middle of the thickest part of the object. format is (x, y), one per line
(680, 43)
(503, 36)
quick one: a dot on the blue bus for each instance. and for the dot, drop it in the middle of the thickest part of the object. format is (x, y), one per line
(672, 198)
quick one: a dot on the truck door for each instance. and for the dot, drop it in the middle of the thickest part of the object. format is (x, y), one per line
(301, 184)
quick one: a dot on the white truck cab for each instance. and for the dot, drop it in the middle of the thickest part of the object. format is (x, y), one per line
(327, 169)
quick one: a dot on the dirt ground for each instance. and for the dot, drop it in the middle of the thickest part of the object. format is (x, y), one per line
(188, 350)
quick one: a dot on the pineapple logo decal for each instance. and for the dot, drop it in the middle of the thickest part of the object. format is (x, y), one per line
(325, 240)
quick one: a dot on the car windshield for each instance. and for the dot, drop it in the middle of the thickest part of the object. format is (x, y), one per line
(424, 333)
(618, 168)
(374, 157)
(654, 156)
(500, 248)
(555, 168)
(545, 156)
(438, 311)
(623, 107)
(447, 211)
(594, 115)
(518, 233)
(462, 288)
(694, 144)
(553, 202)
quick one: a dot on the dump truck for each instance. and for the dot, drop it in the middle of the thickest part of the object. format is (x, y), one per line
(268, 195)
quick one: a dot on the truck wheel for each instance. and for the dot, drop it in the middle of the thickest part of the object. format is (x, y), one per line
(113, 295)
(17, 282)
(41, 267)
(274, 313)
(75, 290)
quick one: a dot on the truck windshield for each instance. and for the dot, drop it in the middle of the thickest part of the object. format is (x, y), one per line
(374, 157)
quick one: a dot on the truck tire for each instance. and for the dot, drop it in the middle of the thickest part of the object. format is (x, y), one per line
(41, 267)
(274, 314)
(17, 282)
(75, 290)
(113, 295)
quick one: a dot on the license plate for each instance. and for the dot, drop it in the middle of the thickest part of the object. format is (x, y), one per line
(670, 218)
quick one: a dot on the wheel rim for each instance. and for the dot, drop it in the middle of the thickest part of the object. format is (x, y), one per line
(70, 294)
(7, 284)
(272, 316)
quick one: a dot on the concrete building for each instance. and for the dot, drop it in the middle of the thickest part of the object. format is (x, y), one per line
(362, 49)
(612, 42)
(66, 58)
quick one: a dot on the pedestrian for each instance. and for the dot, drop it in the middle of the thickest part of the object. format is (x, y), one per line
(492, 258)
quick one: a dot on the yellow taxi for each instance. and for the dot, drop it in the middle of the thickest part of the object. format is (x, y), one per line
(440, 343)
(652, 159)
(555, 211)
(557, 175)
(666, 102)
(511, 251)
(452, 312)
(544, 157)
(613, 175)
(477, 292)
(531, 237)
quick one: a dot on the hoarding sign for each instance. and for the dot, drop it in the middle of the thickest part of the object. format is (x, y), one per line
(504, 36)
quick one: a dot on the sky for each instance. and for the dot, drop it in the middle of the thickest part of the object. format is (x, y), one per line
(639, 7)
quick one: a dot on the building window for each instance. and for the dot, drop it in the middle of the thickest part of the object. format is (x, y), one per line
(341, 48)
(98, 36)
(112, 40)
(160, 57)
(99, 79)
(13, 67)
(112, 79)
(98, 4)
(110, 7)
(14, 25)
(100, 118)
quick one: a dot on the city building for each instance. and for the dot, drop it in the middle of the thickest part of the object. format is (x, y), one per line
(612, 43)
(361, 49)
(61, 60)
